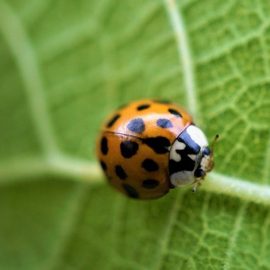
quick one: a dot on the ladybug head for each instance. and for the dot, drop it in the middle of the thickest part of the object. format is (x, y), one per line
(190, 157)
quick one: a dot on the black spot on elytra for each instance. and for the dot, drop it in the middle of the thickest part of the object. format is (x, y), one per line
(113, 120)
(150, 183)
(150, 165)
(131, 192)
(143, 107)
(164, 123)
(128, 148)
(159, 144)
(103, 165)
(136, 125)
(104, 146)
(174, 112)
(120, 172)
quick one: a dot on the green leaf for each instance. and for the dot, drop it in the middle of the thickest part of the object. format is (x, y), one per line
(65, 66)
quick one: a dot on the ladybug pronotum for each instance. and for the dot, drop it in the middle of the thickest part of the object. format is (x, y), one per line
(149, 147)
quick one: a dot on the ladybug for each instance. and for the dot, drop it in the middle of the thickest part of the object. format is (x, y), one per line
(149, 147)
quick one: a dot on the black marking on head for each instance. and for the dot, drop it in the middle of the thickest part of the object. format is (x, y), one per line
(199, 172)
(150, 165)
(128, 148)
(185, 164)
(113, 120)
(191, 146)
(175, 112)
(143, 107)
(158, 144)
(103, 165)
(104, 146)
(164, 123)
(120, 172)
(136, 125)
(131, 192)
(150, 183)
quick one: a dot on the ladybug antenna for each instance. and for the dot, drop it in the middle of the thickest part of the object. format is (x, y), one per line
(214, 143)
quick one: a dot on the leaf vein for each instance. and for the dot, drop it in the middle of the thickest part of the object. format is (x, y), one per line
(234, 235)
(68, 227)
(27, 63)
(168, 231)
(185, 57)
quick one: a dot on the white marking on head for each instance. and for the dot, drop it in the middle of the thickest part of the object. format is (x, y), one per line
(176, 146)
(192, 156)
(197, 135)
(180, 145)
(182, 178)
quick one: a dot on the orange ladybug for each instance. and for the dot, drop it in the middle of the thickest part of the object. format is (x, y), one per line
(149, 147)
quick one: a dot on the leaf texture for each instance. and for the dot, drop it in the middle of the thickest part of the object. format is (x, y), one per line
(65, 66)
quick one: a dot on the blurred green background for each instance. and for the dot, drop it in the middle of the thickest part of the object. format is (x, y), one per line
(64, 65)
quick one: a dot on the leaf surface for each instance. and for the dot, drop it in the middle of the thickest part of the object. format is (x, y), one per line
(65, 66)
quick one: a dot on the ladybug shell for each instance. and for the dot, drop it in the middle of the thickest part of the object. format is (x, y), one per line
(133, 148)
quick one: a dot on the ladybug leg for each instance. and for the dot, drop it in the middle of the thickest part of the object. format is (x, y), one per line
(197, 184)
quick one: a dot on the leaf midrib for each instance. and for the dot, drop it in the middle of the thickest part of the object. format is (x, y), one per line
(89, 172)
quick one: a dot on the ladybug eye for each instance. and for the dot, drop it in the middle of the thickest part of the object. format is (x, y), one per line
(199, 173)
(206, 151)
